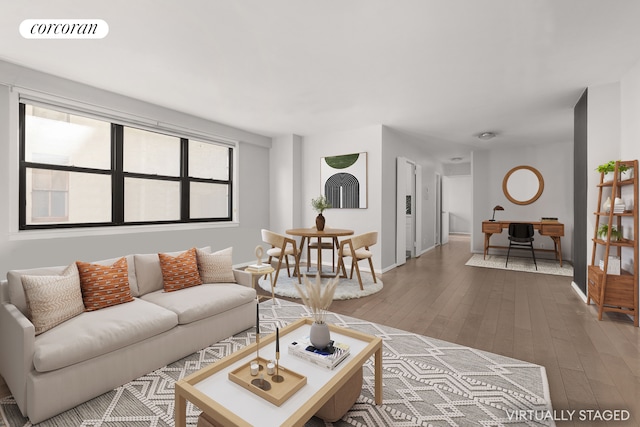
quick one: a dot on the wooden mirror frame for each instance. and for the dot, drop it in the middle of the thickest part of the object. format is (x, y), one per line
(523, 202)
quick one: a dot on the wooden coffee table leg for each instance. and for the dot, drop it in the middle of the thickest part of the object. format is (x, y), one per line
(180, 411)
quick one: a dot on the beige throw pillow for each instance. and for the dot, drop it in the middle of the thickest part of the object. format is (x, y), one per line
(53, 299)
(216, 267)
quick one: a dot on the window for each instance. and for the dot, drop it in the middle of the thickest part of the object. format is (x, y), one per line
(78, 171)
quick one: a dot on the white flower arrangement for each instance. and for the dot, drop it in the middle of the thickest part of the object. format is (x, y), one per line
(318, 298)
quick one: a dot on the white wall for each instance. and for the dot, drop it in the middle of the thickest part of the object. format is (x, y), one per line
(284, 163)
(33, 249)
(456, 199)
(314, 147)
(397, 144)
(554, 161)
(603, 136)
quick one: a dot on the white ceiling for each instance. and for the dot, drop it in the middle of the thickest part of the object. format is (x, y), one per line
(441, 70)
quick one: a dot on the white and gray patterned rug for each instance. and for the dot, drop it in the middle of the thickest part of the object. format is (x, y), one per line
(545, 266)
(427, 382)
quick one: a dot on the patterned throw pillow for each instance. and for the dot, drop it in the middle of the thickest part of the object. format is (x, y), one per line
(104, 285)
(179, 272)
(216, 267)
(53, 299)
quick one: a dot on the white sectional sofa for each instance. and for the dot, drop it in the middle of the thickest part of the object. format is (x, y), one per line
(96, 351)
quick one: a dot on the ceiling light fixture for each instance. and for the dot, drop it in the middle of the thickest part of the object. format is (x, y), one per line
(456, 159)
(486, 135)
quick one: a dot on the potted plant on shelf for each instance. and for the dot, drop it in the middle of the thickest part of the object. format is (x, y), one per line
(608, 169)
(319, 204)
(603, 230)
(317, 299)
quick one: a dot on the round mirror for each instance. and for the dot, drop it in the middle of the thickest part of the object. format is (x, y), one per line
(523, 185)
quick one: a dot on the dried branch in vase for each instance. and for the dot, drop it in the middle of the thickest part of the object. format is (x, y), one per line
(317, 298)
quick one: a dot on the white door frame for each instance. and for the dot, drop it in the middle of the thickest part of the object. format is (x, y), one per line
(401, 231)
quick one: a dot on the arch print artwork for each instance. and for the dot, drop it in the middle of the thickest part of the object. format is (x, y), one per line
(344, 180)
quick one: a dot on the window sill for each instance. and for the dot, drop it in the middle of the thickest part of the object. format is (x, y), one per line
(103, 231)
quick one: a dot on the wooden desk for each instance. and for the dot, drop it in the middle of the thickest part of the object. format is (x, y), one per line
(553, 229)
(327, 233)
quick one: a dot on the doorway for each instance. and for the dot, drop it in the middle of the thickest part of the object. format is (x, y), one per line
(408, 210)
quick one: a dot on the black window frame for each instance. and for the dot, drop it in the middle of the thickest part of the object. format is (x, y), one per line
(118, 176)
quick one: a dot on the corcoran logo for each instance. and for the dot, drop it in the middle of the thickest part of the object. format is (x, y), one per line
(64, 29)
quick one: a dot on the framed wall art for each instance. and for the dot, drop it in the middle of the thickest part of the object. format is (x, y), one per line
(344, 180)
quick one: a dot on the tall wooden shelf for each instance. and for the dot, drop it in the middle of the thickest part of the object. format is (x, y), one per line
(613, 292)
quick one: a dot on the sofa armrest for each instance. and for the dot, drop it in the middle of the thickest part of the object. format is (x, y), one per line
(17, 335)
(243, 278)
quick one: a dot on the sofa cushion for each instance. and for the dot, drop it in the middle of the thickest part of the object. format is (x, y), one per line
(149, 273)
(179, 272)
(53, 299)
(216, 267)
(104, 285)
(199, 302)
(95, 333)
(16, 290)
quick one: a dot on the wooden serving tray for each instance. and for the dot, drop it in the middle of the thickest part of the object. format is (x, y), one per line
(279, 392)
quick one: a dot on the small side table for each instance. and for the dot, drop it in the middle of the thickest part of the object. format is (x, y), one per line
(255, 275)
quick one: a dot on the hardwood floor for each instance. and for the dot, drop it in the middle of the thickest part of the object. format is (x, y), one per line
(534, 317)
(538, 318)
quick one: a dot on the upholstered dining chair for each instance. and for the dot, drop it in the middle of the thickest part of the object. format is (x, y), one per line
(281, 248)
(357, 247)
(324, 245)
(521, 237)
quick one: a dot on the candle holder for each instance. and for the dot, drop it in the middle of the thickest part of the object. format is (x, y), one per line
(277, 378)
(258, 360)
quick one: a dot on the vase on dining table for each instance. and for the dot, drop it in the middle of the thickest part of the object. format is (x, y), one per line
(320, 222)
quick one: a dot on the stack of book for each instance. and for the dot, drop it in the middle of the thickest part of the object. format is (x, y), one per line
(259, 268)
(618, 207)
(328, 357)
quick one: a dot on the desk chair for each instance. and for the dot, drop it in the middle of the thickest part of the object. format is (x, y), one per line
(357, 247)
(281, 248)
(521, 237)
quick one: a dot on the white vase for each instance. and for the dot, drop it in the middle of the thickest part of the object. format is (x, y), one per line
(319, 335)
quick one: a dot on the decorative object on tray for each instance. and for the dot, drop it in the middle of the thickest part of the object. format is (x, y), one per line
(319, 204)
(317, 299)
(277, 377)
(328, 357)
(260, 367)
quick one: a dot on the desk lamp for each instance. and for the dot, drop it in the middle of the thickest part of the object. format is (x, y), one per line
(497, 208)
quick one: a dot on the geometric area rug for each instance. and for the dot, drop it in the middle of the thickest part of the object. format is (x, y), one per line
(426, 382)
(545, 266)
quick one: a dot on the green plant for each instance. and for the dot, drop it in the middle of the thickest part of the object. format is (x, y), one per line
(603, 230)
(319, 204)
(610, 167)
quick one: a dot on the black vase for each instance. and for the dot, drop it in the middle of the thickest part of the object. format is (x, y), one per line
(320, 222)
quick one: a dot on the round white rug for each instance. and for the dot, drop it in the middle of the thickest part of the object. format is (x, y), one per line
(346, 289)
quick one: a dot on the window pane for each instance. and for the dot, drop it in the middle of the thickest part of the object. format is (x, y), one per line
(151, 153)
(54, 137)
(76, 198)
(208, 160)
(209, 200)
(151, 200)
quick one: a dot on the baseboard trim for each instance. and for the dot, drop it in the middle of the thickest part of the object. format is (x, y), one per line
(578, 291)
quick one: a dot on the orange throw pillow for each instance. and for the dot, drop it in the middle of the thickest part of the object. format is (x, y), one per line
(104, 285)
(179, 272)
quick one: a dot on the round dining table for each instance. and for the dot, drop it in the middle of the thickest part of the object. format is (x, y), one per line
(309, 233)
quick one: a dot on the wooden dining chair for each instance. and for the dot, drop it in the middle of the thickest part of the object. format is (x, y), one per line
(281, 248)
(357, 247)
(324, 245)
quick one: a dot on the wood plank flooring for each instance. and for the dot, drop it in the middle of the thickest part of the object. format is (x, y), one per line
(538, 318)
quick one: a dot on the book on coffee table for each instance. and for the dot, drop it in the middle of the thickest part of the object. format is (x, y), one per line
(328, 357)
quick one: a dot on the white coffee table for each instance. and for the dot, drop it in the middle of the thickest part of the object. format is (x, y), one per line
(230, 404)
